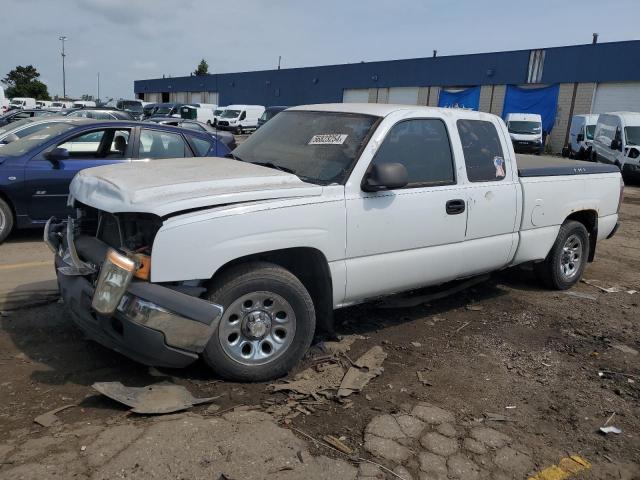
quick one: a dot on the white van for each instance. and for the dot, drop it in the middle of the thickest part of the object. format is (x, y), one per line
(43, 104)
(202, 112)
(525, 130)
(83, 103)
(4, 103)
(240, 118)
(581, 137)
(22, 102)
(617, 140)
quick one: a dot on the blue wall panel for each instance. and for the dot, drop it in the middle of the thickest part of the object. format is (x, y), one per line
(582, 63)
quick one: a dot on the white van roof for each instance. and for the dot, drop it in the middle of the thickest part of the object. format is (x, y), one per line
(589, 118)
(241, 107)
(626, 117)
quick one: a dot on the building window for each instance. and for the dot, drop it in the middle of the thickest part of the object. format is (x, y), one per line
(536, 64)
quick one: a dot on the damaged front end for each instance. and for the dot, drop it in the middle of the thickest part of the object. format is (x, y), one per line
(103, 264)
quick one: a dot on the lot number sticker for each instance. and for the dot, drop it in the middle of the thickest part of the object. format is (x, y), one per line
(328, 139)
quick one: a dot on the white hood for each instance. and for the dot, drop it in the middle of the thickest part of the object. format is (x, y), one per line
(168, 186)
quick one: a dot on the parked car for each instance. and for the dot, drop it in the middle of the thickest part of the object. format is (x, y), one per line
(166, 110)
(43, 104)
(225, 137)
(217, 113)
(617, 141)
(83, 104)
(581, 137)
(240, 118)
(35, 171)
(269, 113)
(17, 130)
(525, 130)
(132, 107)
(323, 207)
(22, 103)
(147, 110)
(196, 112)
(98, 113)
(15, 115)
(60, 105)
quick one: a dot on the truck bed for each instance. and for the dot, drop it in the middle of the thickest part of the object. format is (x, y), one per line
(547, 166)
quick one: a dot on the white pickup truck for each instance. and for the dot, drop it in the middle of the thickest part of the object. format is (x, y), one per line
(239, 260)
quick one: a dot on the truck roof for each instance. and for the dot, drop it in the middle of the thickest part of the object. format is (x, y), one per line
(383, 109)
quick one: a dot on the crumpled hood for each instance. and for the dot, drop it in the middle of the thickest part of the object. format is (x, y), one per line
(163, 187)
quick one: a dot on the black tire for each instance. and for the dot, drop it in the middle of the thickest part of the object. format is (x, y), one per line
(6, 220)
(551, 271)
(239, 130)
(256, 278)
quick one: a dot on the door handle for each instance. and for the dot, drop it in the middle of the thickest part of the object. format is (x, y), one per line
(455, 207)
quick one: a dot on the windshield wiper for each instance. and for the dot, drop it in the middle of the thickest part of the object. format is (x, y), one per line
(273, 165)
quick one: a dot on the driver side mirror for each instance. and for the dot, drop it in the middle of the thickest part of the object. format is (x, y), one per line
(615, 144)
(12, 137)
(580, 137)
(56, 155)
(385, 176)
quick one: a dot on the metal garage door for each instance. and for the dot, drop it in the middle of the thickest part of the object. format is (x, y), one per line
(615, 97)
(403, 95)
(196, 97)
(211, 97)
(355, 95)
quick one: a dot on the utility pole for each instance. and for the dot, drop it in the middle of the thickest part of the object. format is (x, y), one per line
(98, 86)
(63, 39)
(279, 60)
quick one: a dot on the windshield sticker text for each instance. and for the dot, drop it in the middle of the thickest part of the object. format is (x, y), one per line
(328, 139)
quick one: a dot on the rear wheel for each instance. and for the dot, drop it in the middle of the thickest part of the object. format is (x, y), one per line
(6, 220)
(567, 259)
(267, 326)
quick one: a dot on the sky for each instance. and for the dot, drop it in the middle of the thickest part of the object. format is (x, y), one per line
(127, 40)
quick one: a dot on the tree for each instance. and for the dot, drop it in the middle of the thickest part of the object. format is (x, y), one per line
(203, 68)
(23, 82)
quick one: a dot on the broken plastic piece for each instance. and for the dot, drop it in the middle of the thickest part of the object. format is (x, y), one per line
(153, 399)
(611, 429)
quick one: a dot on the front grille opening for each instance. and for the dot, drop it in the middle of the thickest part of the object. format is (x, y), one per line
(117, 327)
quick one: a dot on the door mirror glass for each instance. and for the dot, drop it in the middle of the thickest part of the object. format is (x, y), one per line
(12, 137)
(580, 137)
(385, 176)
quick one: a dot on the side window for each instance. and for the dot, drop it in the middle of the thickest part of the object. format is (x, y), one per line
(157, 144)
(483, 154)
(423, 147)
(202, 146)
(243, 116)
(105, 143)
(192, 126)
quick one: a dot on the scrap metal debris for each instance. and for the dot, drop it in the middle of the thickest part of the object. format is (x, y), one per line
(584, 296)
(153, 399)
(49, 418)
(314, 381)
(367, 367)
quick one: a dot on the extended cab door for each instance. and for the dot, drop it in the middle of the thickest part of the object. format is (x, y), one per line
(412, 236)
(48, 182)
(491, 195)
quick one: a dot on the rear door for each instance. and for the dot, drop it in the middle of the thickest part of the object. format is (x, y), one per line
(491, 195)
(156, 144)
(47, 183)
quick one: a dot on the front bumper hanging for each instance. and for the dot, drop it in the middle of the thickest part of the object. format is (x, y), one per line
(153, 324)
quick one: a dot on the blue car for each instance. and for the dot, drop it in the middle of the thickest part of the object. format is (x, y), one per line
(36, 170)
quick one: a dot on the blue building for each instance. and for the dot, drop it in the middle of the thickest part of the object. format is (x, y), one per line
(591, 78)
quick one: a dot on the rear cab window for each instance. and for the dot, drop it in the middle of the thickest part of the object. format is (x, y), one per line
(482, 149)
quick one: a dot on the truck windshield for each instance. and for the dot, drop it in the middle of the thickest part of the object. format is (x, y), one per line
(230, 114)
(589, 131)
(35, 140)
(632, 135)
(131, 106)
(319, 147)
(523, 127)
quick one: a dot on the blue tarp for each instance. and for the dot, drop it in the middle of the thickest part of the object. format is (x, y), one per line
(469, 98)
(543, 101)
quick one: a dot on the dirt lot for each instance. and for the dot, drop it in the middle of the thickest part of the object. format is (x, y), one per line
(504, 354)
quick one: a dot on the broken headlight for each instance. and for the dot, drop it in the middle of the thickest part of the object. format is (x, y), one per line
(115, 276)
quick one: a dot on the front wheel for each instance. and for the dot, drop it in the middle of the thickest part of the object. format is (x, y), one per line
(267, 326)
(6, 220)
(567, 259)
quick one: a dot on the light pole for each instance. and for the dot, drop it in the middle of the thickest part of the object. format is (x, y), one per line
(63, 39)
(98, 86)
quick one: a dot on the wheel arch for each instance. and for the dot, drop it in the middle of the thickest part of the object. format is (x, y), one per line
(310, 266)
(589, 218)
